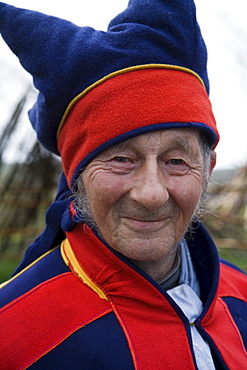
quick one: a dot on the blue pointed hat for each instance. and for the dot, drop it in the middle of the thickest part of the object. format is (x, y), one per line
(80, 73)
(147, 72)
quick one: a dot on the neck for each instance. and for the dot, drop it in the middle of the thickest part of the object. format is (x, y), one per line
(158, 270)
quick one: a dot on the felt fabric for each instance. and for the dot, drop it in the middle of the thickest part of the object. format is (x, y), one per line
(136, 305)
(64, 59)
(131, 102)
(72, 316)
(117, 284)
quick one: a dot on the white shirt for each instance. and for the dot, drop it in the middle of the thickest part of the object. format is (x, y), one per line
(186, 295)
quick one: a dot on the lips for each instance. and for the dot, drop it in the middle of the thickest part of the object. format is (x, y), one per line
(140, 225)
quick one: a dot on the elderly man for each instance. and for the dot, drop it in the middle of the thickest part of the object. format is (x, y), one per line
(141, 195)
(124, 275)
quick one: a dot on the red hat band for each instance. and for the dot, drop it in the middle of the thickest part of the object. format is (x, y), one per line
(130, 102)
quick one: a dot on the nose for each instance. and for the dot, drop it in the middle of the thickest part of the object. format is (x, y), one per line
(149, 188)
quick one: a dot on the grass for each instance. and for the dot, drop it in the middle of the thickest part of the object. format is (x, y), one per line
(237, 257)
(7, 267)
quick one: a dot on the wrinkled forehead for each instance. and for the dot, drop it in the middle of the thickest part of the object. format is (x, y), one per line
(163, 140)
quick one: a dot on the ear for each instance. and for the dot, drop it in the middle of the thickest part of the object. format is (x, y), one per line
(212, 161)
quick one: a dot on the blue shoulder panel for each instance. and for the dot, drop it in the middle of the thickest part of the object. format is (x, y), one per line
(46, 267)
(238, 310)
(100, 345)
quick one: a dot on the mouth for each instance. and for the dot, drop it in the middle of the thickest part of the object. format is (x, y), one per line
(140, 225)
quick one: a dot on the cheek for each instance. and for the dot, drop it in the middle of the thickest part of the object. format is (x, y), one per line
(103, 193)
(187, 196)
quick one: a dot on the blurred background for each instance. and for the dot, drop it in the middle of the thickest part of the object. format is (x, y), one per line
(29, 174)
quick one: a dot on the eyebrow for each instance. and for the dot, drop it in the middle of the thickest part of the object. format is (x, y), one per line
(182, 142)
(116, 147)
(185, 144)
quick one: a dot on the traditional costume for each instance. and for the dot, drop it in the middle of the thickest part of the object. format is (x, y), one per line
(74, 302)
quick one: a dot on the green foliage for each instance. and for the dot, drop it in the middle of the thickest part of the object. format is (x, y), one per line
(237, 256)
(7, 267)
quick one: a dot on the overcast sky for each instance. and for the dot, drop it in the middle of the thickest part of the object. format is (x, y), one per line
(223, 27)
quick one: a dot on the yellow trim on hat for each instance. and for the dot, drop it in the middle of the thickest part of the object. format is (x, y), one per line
(117, 73)
(71, 261)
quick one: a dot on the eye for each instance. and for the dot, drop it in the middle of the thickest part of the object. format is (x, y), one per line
(176, 162)
(121, 164)
(176, 167)
(121, 159)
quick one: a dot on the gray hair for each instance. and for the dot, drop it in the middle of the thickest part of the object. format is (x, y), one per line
(206, 152)
(82, 205)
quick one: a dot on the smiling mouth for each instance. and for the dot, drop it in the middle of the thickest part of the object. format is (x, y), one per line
(146, 225)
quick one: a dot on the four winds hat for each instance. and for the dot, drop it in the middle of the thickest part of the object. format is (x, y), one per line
(146, 73)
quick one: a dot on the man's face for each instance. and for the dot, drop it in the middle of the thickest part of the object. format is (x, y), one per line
(143, 192)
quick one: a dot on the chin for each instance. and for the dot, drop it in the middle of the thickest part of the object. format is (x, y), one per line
(147, 251)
